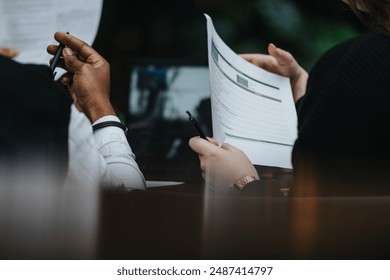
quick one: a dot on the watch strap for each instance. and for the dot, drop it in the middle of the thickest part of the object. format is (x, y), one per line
(240, 184)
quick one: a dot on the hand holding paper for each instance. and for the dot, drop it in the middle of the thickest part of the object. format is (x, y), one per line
(252, 109)
(282, 63)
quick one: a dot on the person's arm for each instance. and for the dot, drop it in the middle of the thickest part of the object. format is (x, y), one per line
(86, 167)
(88, 81)
(103, 157)
(122, 168)
(283, 63)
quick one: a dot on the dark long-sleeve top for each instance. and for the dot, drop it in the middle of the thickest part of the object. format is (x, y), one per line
(34, 117)
(343, 144)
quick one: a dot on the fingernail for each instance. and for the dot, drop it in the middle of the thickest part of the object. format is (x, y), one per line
(68, 51)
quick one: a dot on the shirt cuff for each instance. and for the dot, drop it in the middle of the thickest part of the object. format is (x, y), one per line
(110, 133)
(107, 119)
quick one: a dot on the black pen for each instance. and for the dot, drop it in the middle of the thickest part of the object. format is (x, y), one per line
(193, 121)
(56, 58)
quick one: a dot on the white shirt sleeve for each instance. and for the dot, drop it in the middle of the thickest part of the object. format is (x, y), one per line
(104, 156)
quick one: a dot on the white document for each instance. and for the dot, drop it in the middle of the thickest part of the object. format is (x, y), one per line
(29, 25)
(252, 109)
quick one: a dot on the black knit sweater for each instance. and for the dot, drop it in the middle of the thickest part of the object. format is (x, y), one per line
(34, 118)
(343, 145)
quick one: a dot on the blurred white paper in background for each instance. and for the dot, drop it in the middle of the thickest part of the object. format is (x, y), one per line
(30, 25)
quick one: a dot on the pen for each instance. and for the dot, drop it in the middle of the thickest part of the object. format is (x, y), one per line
(56, 58)
(193, 121)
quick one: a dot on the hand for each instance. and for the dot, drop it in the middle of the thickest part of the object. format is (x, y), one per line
(221, 166)
(9, 52)
(283, 63)
(89, 77)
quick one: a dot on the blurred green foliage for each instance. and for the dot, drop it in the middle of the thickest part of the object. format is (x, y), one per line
(250, 27)
(171, 29)
(176, 30)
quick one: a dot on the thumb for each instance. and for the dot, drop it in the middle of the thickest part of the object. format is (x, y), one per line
(201, 146)
(72, 63)
(212, 140)
(283, 57)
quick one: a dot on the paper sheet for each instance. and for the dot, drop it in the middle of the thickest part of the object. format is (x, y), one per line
(29, 25)
(252, 109)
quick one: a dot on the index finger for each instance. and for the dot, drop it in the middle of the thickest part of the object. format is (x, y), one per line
(75, 44)
(260, 60)
(202, 146)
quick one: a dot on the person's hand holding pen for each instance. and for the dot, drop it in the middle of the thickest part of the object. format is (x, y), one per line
(221, 166)
(88, 77)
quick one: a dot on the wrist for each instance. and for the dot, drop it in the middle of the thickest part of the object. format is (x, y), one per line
(95, 112)
(299, 84)
(104, 124)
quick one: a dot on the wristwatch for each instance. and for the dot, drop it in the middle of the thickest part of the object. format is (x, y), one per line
(240, 184)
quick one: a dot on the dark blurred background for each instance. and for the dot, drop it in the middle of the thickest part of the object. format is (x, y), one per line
(176, 30)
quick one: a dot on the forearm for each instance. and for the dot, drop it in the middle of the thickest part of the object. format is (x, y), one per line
(298, 84)
(98, 109)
